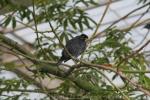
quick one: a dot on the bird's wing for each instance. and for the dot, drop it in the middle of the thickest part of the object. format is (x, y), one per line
(72, 42)
(75, 46)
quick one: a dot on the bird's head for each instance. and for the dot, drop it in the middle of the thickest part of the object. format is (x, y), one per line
(147, 26)
(83, 37)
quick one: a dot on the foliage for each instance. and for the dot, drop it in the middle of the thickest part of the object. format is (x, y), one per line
(143, 1)
(13, 85)
(66, 18)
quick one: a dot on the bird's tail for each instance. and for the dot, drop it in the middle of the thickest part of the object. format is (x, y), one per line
(59, 61)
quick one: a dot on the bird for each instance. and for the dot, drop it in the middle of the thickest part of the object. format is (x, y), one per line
(76, 46)
(147, 26)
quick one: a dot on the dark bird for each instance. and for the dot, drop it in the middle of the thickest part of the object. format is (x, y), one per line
(147, 26)
(75, 47)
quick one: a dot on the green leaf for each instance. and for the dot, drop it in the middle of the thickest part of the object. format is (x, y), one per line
(9, 65)
(91, 20)
(13, 22)
(65, 24)
(93, 2)
(86, 22)
(80, 26)
(7, 21)
(147, 81)
(62, 36)
(73, 24)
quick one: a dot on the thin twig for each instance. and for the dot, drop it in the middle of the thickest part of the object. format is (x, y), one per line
(133, 54)
(127, 98)
(124, 17)
(101, 19)
(143, 39)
